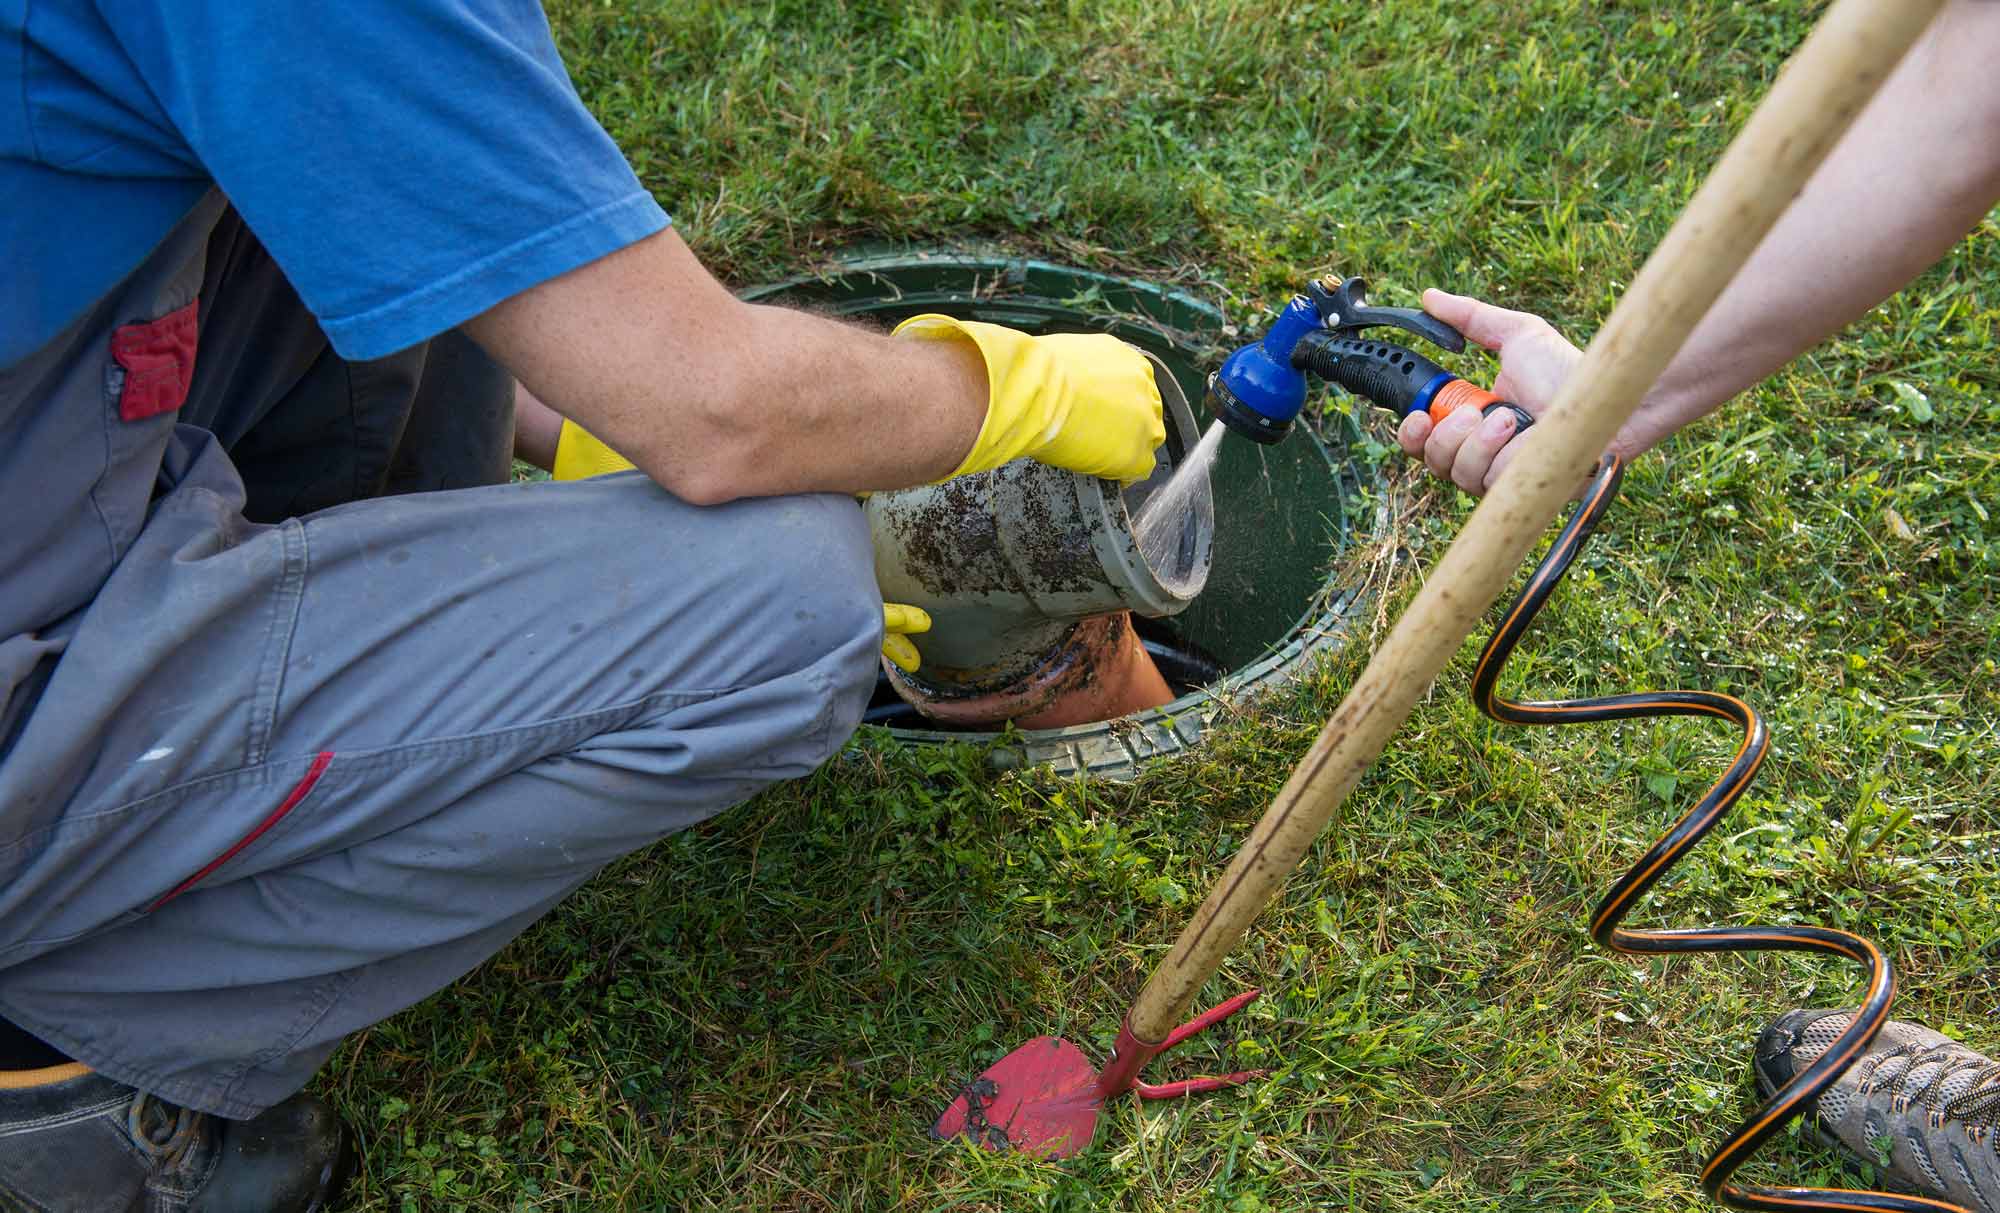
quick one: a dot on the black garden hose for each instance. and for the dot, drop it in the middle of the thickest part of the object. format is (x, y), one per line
(1796, 1096)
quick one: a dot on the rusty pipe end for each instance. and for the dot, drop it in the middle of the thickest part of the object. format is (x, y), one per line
(1099, 670)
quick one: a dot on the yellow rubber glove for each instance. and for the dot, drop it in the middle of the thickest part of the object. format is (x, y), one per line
(580, 455)
(1082, 401)
(900, 622)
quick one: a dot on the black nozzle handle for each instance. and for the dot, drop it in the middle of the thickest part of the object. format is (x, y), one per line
(1344, 309)
(1398, 379)
(1383, 373)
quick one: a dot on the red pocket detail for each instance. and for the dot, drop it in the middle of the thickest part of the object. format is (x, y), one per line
(299, 792)
(159, 363)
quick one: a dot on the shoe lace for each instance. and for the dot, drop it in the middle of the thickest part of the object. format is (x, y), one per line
(1951, 1082)
(165, 1131)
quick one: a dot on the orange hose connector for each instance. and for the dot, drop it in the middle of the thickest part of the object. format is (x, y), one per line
(1458, 394)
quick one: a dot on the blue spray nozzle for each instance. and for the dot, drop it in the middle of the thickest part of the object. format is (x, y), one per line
(1262, 387)
(1258, 393)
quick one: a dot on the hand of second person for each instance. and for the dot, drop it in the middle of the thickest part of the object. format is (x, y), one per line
(1082, 401)
(1470, 450)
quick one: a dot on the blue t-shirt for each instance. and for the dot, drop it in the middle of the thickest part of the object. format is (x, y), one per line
(408, 163)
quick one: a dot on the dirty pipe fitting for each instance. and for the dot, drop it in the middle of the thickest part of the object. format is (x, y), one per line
(1029, 573)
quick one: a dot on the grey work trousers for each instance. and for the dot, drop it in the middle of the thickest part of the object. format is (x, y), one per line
(279, 780)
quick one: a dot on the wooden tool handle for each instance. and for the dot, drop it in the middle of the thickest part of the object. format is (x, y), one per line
(1814, 100)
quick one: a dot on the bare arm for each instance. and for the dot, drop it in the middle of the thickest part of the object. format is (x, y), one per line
(1919, 169)
(1916, 172)
(716, 398)
(537, 430)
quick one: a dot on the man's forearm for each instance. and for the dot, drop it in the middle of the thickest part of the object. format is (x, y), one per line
(856, 408)
(717, 399)
(1918, 170)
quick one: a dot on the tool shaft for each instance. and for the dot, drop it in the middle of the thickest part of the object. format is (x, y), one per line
(1841, 65)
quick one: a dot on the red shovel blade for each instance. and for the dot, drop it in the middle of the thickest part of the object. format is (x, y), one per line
(1040, 1099)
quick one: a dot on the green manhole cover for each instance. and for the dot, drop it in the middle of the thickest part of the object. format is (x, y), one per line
(1288, 518)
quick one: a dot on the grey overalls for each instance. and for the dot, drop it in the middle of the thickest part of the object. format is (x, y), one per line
(264, 783)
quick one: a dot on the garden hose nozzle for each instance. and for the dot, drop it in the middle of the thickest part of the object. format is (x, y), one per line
(1258, 392)
(1261, 388)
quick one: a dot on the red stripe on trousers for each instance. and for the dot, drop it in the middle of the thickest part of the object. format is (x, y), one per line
(304, 786)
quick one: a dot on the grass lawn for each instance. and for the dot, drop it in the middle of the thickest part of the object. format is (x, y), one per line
(766, 1012)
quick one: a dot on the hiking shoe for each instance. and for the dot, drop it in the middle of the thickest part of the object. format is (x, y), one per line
(1917, 1105)
(73, 1139)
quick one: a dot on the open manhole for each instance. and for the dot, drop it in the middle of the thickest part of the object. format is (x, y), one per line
(1288, 517)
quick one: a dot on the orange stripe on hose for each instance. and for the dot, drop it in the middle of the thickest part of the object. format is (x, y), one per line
(1692, 826)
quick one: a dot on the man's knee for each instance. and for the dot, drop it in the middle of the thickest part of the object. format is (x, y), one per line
(765, 609)
(822, 611)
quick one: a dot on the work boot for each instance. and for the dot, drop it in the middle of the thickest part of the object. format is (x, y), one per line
(73, 1139)
(1917, 1105)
